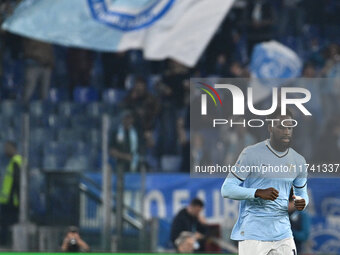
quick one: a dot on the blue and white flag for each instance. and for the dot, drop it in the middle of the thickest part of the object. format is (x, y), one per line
(271, 63)
(178, 29)
(274, 60)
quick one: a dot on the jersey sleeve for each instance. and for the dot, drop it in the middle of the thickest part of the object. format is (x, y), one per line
(300, 182)
(301, 179)
(231, 187)
(241, 166)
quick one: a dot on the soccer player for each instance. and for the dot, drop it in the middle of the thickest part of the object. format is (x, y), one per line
(263, 226)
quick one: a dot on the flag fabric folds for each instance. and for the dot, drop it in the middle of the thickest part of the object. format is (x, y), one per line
(177, 29)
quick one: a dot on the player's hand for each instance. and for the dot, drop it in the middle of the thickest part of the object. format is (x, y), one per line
(267, 194)
(299, 204)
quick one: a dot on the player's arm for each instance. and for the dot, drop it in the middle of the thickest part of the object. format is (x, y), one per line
(300, 187)
(232, 188)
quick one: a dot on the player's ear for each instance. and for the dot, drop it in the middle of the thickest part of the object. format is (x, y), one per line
(270, 128)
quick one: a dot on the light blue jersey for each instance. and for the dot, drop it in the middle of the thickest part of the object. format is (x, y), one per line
(260, 167)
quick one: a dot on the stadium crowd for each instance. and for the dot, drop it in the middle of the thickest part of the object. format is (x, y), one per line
(156, 93)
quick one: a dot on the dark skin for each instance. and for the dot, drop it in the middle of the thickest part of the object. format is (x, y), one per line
(280, 138)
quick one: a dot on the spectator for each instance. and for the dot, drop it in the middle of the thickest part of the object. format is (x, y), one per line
(39, 61)
(10, 191)
(291, 18)
(73, 242)
(189, 219)
(79, 62)
(125, 144)
(183, 137)
(300, 224)
(172, 87)
(115, 69)
(143, 105)
(261, 20)
(185, 243)
(150, 152)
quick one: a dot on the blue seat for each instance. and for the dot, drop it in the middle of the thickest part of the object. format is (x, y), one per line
(41, 136)
(35, 159)
(75, 134)
(80, 148)
(57, 148)
(9, 108)
(37, 108)
(93, 137)
(94, 109)
(9, 133)
(85, 94)
(77, 163)
(114, 122)
(111, 109)
(81, 121)
(54, 121)
(56, 95)
(68, 109)
(6, 121)
(114, 96)
(53, 162)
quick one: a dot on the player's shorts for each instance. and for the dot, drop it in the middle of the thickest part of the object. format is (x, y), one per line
(282, 247)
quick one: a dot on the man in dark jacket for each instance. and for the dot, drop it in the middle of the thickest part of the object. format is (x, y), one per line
(189, 219)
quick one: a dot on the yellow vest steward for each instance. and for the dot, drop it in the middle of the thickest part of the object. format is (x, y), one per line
(8, 180)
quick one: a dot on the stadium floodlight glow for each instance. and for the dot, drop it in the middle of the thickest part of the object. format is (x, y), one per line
(239, 101)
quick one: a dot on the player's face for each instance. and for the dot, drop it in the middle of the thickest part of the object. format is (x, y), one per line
(282, 135)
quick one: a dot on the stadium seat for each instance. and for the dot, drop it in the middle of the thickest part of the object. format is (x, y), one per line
(37, 108)
(113, 96)
(93, 137)
(94, 109)
(85, 121)
(114, 122)
(9, 133)
(35, 159)
(6, 121)
(68, 109)
(85, 95)
(111, 109)
(9, 108)
(77, 163)
(80, 148)
(54, 121)
(56, 148)
(56, 95)
(52, 162)
(41, 136)
(71, 134)
(170, 163)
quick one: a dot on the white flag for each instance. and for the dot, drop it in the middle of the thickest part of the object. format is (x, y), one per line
(177, 29)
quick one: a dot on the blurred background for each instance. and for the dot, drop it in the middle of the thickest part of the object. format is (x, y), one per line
(105, 136)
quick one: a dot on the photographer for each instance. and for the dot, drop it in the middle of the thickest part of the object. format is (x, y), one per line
(73, 243)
